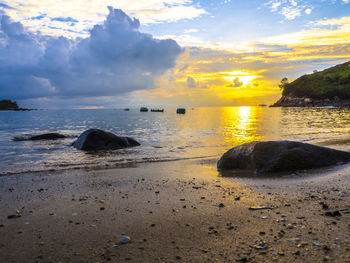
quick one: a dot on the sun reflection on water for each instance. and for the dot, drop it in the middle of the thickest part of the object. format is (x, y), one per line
(240, 125)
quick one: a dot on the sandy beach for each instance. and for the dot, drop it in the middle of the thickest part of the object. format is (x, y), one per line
(179, 211)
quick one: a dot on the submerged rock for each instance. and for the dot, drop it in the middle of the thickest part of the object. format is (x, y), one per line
(47, 136)
(99, 140)
(44, 136)
(280, 156)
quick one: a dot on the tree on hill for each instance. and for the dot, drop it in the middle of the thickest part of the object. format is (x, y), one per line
(283, 83)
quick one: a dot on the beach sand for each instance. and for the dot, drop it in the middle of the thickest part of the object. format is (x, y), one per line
(181, 211)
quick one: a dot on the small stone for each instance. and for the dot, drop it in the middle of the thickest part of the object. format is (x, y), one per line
(261, 207)
(83, 198)
(327, 248)
(261, 245)
(333, 214)
(221, 205)
(14, 216)
(125, 239)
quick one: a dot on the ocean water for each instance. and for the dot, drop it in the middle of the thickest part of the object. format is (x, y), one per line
(201, 132)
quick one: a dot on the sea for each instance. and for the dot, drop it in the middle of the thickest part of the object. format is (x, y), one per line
(202, 132)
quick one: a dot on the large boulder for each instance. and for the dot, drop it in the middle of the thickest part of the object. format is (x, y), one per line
(280, 156)
(99, 140)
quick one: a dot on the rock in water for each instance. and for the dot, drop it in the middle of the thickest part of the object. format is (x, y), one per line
(99, 140)
(47, 136)
(280, 156)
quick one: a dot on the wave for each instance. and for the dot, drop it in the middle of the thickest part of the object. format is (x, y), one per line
(124, 163)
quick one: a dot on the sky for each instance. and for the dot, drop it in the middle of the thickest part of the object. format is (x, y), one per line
(123, 53)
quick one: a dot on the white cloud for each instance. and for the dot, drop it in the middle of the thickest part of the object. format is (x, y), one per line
(191, 30)
(290, 9)
(116, 58)
(308, 11)
(38, 14)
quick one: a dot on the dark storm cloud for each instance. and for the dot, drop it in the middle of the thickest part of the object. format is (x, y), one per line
(116, 58)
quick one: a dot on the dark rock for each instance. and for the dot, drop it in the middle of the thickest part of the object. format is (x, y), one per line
(47, 136)
(98, 140)
(14, 216)
(279, 156)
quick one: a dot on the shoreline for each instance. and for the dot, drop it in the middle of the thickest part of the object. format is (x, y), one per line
(180, 211)
(306, 102)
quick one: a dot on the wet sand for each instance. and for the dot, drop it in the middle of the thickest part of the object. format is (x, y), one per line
(179, 211)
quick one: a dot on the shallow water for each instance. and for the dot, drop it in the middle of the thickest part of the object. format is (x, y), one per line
(201, 132)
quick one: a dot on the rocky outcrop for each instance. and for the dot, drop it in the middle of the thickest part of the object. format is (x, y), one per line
(99, 140)
(280, 156)
(289, 101)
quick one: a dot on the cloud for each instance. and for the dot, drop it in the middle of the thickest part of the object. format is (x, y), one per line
(89, 13)
(116, 58)
(290, 9)
(260, 65)
(236, 83)
(191, 83)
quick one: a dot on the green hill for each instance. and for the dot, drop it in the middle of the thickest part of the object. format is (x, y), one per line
(326, 84)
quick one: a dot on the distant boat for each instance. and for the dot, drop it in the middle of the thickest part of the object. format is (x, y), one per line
(157, 110)
(181, 111)
(143, 109)
(126, 109)
(262, 105)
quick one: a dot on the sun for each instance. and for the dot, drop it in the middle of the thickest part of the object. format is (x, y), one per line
(242, 76)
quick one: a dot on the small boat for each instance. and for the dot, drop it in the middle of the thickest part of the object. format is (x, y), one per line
(126, 109)
(181, 111)
(143, 109)
(262, 105)
(157, 110)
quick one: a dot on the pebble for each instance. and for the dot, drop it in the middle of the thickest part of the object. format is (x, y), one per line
(333, 214)
(261, 207)
(261, 245)
(125, 239)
